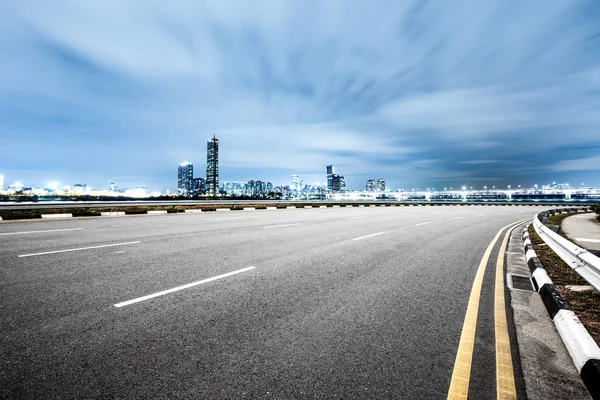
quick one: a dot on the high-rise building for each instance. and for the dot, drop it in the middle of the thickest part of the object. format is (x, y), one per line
(212, 166)
(338, 183)
(381, 185)
(330, 177)
(185, 175)
(198, 186)
(370, 185)
(296, 183)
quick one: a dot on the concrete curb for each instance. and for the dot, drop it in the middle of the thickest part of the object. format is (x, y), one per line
(157, 212)
(57, 216)
(113, 214)
(582, 348)
(198, 211)
(249, 208)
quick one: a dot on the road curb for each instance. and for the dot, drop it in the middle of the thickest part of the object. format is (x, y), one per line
(113, 214)
(57, 216)
(582, 348)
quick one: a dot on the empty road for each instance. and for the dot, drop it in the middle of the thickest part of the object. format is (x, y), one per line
(306, 303)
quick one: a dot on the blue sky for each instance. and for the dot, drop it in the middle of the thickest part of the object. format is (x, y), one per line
(421, 93)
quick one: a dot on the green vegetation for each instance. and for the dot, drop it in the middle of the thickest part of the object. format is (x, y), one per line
(586, 305)
(560, 273)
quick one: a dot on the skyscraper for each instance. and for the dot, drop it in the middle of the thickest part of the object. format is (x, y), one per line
(338, 183)
(370, 185)
(212, 166)
(330, 177)
(185, 175)
(381, 185)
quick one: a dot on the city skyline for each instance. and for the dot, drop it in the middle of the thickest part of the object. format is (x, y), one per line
(114, 92)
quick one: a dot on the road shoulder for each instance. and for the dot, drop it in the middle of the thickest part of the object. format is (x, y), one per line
(547, 368)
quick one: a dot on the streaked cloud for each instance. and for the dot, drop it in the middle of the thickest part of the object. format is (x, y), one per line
(95, 90)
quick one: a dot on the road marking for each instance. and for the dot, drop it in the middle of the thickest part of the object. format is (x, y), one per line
(423, 223)
(50, 230)
(280, 226)
(457, 218)
(461, 375)
(505, 378)
(223, 219)
(81, 248)
(178, 288)
(587, 240)
(368, 236)
(119, 252)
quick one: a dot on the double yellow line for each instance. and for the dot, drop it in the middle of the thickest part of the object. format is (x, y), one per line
(505, 380)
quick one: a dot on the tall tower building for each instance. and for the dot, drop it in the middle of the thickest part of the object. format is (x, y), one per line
(330, 177)
(370, 185)
(381, 185)
(212, 166)
(185, 175)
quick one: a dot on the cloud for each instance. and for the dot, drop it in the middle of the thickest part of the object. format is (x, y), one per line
(96, 89)
(581, 164)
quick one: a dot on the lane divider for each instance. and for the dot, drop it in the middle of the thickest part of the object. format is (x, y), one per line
(461, 375)
(368, 236)
(505, 377)
(178, 288)
(78, 249)
(280, 226)
(48, 231)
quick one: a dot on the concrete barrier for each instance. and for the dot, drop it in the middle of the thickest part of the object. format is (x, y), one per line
(112, 214)
(57, 215)
(157, 212)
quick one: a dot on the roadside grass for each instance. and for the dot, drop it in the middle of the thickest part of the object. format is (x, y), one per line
(558, 270)
(586, 305)
(557, 219)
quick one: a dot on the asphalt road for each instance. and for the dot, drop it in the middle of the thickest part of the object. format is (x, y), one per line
(339, 303)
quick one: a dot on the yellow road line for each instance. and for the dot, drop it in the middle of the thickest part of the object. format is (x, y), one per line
(461, 375)
(505, 379)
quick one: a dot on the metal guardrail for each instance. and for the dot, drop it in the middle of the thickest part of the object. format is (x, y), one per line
(582, 261)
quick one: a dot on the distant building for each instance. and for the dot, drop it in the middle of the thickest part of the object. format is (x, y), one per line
(370, 187)
(296, 183)
(381, 185)
(185, 175)
(338, 183)
(212, 166)
(112, 187)
(269, 187)
(198, 186)
(330, 177)
(79, 188)
(1, 183)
